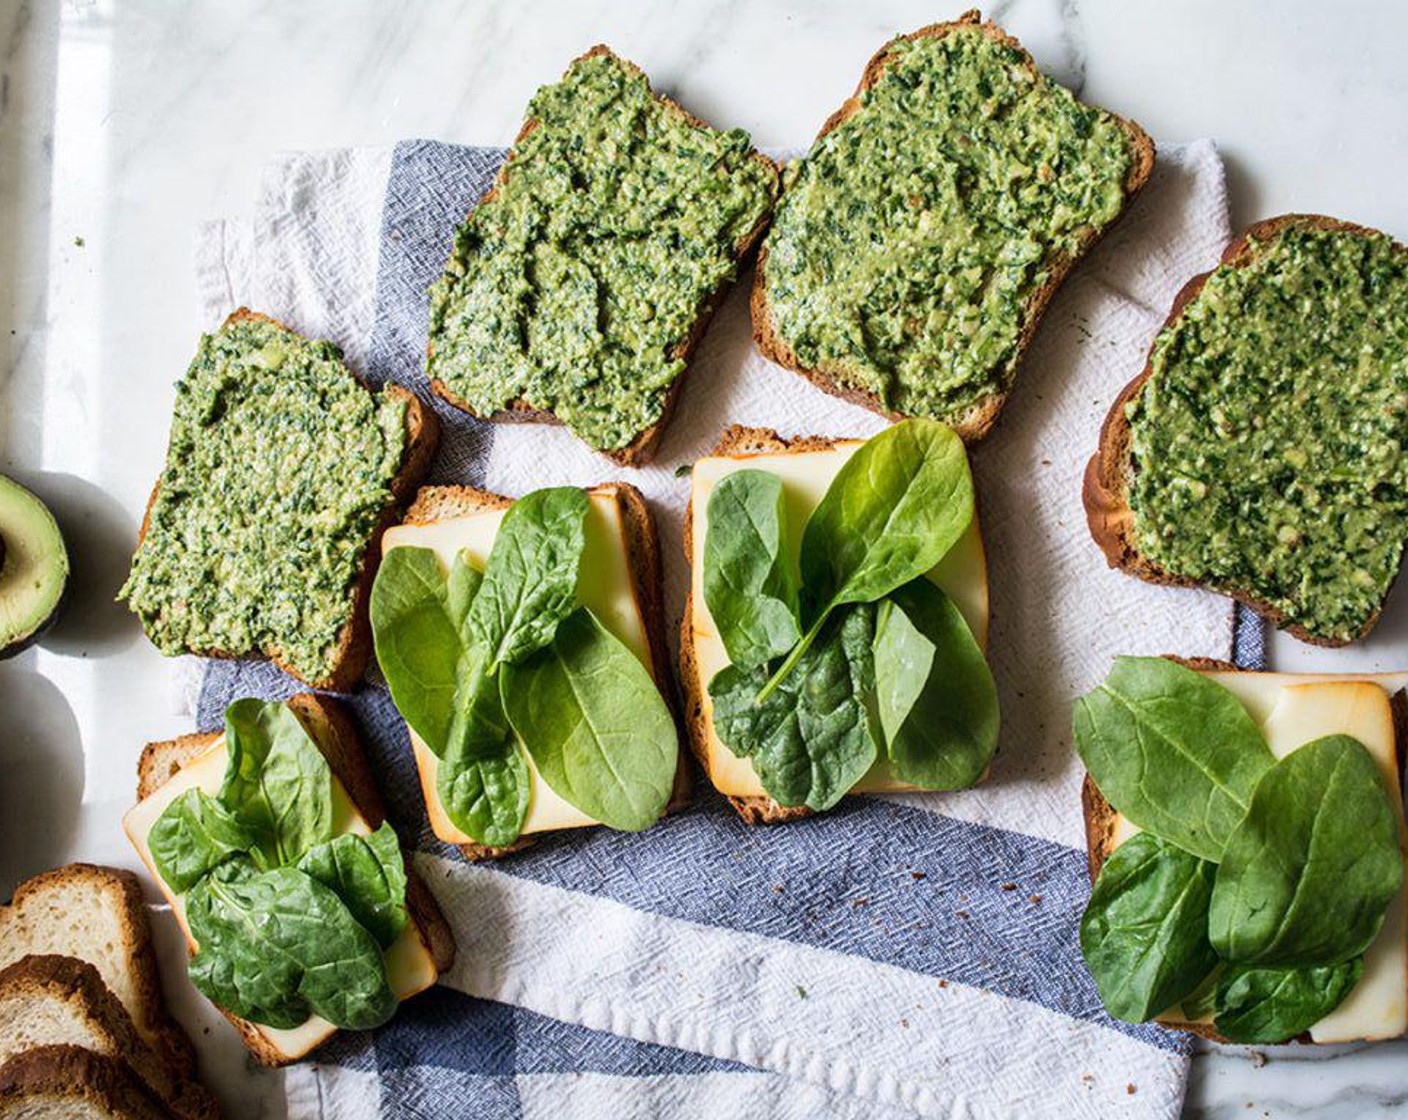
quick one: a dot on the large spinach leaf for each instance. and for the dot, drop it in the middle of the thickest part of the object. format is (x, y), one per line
(936, 696)
(892, 512)
(1173, 751)
(530, 581)
(419, 630)
(277, 944)
(1267, 1005)
(589, 714)
(1144, 934)
(277, 783)
(194, 834)
(814, 737)
(368, 874)
(483, 782)
(749, 586)
(1308, 873)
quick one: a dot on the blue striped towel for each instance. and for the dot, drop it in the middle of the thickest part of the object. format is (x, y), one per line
(903, 955)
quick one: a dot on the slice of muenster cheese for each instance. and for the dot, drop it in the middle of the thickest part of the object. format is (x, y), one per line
(1293, 709)
(409, 965)
(606, 586)
(805, 477)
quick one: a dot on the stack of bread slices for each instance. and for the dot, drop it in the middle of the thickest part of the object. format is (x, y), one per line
(84, 1031)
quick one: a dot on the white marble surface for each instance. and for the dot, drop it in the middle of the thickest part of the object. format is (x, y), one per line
(124, 123)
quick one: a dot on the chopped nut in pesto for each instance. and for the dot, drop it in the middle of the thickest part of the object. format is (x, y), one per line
(909, 242)
(1268, 442)
(575, 286)
(279, 467)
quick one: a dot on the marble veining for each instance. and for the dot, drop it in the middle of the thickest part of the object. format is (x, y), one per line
(124, 122)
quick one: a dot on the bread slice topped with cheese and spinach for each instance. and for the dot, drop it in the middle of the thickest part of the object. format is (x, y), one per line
(270, 843)
(523, 644)
(916, 245)
(282, 470)
(579, 286)
(833, 638)
(1246, 841)
(1260, 451)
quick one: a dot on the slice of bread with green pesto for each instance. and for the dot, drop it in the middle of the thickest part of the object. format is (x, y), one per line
(1259, 453)
(1287, 713)
(806, 470)
(916, 246)
(620, 581)
(282, 471)
(421, 950)
(578, 287)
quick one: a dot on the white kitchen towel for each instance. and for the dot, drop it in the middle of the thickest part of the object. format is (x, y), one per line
(912, 953)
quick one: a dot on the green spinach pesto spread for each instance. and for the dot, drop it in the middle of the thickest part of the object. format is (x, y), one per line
(909, 241)
(1268, 442)
(279, 466)
(574, 287)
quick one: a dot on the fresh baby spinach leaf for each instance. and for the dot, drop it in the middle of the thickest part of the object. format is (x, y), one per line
(418, 627)
(368, 874)
(935, 694)
(1173, 751)
(749, 586)
(814, 737)
(194, 834)
(277, 783)
(483, 781)
(1311, 868)
(892, 512)
(1144, 934)
(1202, 1000)
(275, 945)
(591, 717)
(1270, 1005)
(530, 581)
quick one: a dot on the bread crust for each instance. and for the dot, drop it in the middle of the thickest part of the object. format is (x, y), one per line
(1105, 487)
(642, 448)
(150, 1016)
(70, 1073)
(335, 734)
(354, 644)
(1100, 815)
(77, 984)
(442, 503)
(974, 424)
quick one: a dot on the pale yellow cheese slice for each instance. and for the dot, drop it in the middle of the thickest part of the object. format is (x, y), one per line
(409, 965)
(606, 586)
(805, 478)
(1293, 709)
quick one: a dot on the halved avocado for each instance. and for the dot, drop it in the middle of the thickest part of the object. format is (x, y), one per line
(33, 568)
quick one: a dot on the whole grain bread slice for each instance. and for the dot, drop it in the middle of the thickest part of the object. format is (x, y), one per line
(977, 421)
(96, 914)
(336, 736)
(354, 644)
(1100, 816)
(444, 503)
(49, 1000)
(1109, 473)
(71, 1083)
(642, 448)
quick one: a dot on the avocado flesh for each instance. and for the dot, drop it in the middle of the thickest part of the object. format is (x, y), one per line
(33, 567)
